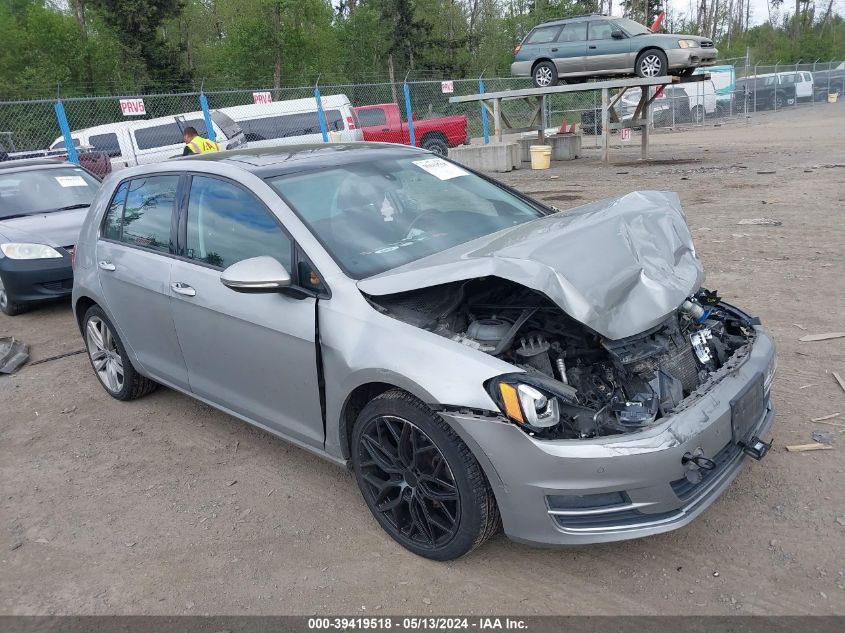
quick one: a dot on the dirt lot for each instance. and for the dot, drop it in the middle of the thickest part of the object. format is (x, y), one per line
(165, 506)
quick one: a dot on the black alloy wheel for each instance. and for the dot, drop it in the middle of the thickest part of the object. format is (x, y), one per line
(420, 480)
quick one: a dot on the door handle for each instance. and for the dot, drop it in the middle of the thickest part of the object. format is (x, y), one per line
(591, 47)
(183, 289)
(106, 266)
(554, 50)
(385, 129)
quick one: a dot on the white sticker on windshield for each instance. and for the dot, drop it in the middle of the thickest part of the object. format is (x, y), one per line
(71, 181)
(440, 168)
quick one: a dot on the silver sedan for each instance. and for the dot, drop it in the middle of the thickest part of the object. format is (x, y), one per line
(477, 359)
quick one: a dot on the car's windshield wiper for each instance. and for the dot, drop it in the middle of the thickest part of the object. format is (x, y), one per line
(81, 205)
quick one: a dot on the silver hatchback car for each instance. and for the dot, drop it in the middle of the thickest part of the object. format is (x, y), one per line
(476, 358)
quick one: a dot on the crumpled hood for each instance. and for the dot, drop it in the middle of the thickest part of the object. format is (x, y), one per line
(619, 266)
(57, 228)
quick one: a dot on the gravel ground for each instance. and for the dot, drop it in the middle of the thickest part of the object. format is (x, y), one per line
(166, 506)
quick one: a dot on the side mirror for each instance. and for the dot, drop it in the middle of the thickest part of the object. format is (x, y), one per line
(257, 274)
(617, 34)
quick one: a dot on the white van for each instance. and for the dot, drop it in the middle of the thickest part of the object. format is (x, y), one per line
(803, 81)
(692, 100)
(137, 142)
(295, 121)
(724, 80)
(143, 141)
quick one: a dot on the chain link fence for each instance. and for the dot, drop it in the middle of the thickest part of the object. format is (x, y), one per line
(146, 128)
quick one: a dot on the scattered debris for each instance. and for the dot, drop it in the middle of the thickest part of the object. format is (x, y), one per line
(67, 410)
(799, 326)
(823, 437)
(131, 543)
(840, 520)
(13, 354)
(766, 172)
(826, 417)
(426, 601)
(838, 379)
(715, 574)
(232, 483)
(761, 221)
(812, 384)
(821, 337)
(15, 546)
(802, 448)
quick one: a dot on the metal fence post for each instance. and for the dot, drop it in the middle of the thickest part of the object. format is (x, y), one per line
(814, 82)
(409, 114)
(209, 128)
(755, 88)
(483, 113)
(59, 107)
(321, 115)
(829, 68)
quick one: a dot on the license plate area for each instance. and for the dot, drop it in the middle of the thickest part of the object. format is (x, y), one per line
(746, 409)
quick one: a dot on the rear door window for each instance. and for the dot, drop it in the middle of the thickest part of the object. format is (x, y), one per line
(113, 220)
(148, 212)
(164, 135)
(107, 143)
(574, 32)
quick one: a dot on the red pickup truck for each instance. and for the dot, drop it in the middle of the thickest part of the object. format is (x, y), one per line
(384, 123)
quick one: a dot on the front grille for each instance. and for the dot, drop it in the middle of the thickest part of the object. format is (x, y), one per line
(685, 489)
(61, 284)
(707, 44)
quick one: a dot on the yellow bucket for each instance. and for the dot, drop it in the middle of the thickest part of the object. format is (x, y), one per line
(831, 97)
(541, 156)
(335, 137)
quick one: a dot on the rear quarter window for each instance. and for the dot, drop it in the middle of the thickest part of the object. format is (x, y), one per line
(543, 35)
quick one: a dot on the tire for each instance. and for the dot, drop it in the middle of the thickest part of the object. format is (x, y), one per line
(9, 308)
(697, 114)
(686, 72)
(435, 501)
(435, 143)
(544, 75)
(109, 361)
(778, 101)
(651, 63)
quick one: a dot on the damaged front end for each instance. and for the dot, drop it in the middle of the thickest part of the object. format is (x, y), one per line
(570, 381)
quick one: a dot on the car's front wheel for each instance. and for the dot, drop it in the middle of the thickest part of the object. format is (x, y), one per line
(545, 75)
(420, 480)
(652, 63)
(7, 306)
(109, 359)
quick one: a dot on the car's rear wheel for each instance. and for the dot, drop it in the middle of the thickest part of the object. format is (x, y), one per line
(778, 101)
(651, 63)
(419, 479)
(108, 357)
(7, 306)
(686, 72)
(435, 143)
(545, 75)
(697, 114)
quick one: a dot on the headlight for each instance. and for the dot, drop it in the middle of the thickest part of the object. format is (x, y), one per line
(688, 44)
(29, 251)
(530, 401)
(771, 370)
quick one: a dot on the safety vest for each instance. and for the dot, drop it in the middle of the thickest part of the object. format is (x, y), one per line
(200, 145)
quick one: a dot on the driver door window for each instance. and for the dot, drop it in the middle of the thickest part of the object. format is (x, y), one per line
(227, 224)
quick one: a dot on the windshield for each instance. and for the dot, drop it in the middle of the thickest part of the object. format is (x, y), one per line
(382, 214)
(631, 27)
(42, 190)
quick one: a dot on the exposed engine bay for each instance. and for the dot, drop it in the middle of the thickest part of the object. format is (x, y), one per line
(576, 383)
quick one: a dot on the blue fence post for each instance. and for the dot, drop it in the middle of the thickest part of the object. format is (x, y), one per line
(321, 115)
(209, 128)
(72, 156)
(484, 114)
(408, 114)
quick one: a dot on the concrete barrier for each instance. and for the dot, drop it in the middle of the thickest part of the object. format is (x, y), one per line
(565, 146)
(494, 157)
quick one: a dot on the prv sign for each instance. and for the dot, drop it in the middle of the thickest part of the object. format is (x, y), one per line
(132, 107)
(261, 98)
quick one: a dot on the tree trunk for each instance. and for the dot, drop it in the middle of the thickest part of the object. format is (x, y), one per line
(277, 45)
(392, 77)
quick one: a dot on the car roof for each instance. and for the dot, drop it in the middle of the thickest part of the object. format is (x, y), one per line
(29, 164)
(285, 159)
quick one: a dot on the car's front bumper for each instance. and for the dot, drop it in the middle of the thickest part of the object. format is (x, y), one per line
(543, 487)
(521, 69)
(34, 280)
(680, 58)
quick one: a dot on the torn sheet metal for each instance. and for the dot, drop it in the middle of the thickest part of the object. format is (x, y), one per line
(13, 354)
(619, 266)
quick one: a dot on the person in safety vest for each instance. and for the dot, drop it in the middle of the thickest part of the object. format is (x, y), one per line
(195, 144)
